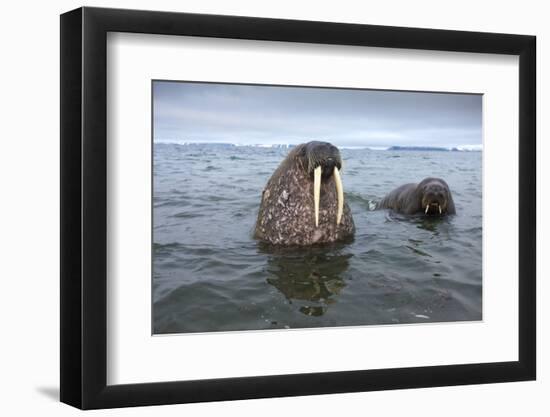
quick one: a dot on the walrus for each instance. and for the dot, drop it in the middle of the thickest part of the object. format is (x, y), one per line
(432, 196)
(303, 201)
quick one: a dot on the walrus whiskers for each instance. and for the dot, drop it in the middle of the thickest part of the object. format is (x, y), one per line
(340, 192)
(317, 192)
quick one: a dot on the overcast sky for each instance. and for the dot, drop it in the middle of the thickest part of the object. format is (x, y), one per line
(246, 114)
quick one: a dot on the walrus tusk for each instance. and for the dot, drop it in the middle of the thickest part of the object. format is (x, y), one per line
(316, 192)
(340, 192)
(427, 208)
(439, 209)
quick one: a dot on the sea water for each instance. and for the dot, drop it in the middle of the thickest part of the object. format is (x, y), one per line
(209, 274)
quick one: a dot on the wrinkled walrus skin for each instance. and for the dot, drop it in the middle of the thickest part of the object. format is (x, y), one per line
(431, 196)
(287, 215)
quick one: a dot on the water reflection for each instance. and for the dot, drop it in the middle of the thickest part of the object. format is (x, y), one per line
(311, 279)
(428, 223)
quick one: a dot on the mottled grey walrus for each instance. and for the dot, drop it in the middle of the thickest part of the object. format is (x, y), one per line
(303, 201)
(431, 196)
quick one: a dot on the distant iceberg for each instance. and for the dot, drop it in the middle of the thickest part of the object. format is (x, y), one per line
(470, 148)
(222, 144)
(268, 145)
(419, 148)
(461, 148)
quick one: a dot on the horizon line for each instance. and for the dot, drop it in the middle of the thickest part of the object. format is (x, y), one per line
(287, 145)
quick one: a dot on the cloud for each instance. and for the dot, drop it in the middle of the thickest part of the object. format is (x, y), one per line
(246, 114)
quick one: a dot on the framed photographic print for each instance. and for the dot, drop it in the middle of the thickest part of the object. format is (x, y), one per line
(258, 207)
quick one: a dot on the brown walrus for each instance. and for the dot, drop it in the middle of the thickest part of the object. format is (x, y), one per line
(303, 201)
(431, 196)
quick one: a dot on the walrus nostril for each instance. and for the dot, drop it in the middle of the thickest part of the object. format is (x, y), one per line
(329, 165)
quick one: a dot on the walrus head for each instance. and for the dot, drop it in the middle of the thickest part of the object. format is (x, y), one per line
(322, 160)
(435, 196)
(303, 200)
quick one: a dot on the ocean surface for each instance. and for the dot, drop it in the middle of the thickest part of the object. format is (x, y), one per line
(209, 274)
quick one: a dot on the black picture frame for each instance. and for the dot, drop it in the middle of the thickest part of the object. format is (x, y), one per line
(84, 207)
